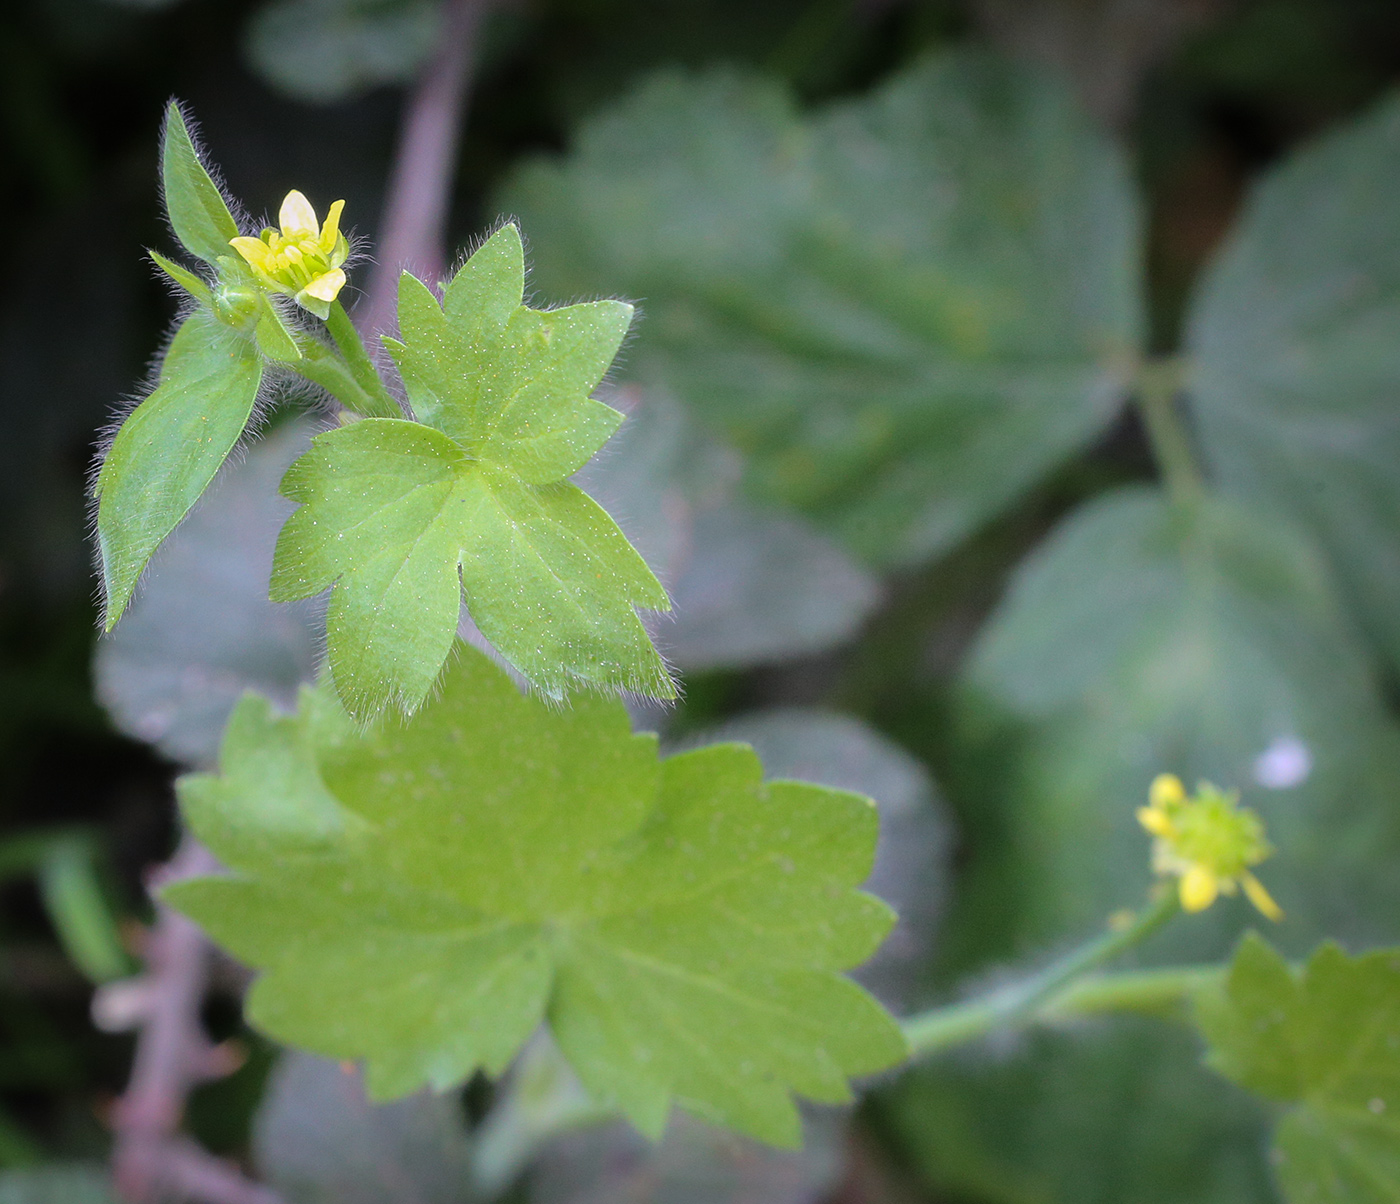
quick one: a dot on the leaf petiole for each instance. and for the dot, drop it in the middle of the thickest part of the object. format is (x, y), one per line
(360, 366)
(1052, 992)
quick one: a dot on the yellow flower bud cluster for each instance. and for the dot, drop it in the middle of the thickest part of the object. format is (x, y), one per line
(1208, 842)
(303, 259)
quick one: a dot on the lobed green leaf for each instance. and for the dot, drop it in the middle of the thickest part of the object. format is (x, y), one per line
(169, 448)
(680, 925)
(198, 213)
(1325, 1041)
(404, 517)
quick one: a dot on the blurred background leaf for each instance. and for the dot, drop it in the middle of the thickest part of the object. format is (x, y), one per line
(317, 1140)
(201, 630)
(56, 1185)
(327, 50)
(905, 311)
(747, 585)
(1295, 346)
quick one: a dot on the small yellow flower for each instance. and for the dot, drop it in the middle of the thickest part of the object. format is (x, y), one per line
(1208, 842)
(301, 260)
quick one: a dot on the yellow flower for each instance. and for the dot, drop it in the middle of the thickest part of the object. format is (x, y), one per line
(301, 260)
(1208, 842)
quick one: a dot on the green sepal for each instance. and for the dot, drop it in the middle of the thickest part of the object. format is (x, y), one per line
(274, 339)
(169, 448)
(186, 279)
(1325, 1041)
(422, 893)
(198, 213)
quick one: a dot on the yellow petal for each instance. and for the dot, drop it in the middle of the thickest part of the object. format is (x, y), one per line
(1166, 789)
(1154, 821)
(330, 232)
(297, 215)
(253, 250)
(326, 286)
(1199, 888)
(1260, 897)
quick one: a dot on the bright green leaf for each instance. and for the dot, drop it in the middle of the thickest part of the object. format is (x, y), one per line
(1295, 342)
(1326, 1041)
(680, 924)
(905, 311)
(170, 447)
(404, 517)
(196, 208)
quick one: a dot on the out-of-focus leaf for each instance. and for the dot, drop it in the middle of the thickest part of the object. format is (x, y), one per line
(747, 585)
(203, 631)
(318, 1140)
(328, 50)
(1327, 1041)
(912, 856)
(169, 448)
(1141, 639)
(904, 311)
(1295, 342)
(73, 898)
(1118, 1113)
(56, 1184)
(694, 1163)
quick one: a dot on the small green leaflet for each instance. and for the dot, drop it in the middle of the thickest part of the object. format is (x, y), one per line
(1327, 1042)
(421, 894)
(197, 210)
(406, 516)
(170, 447)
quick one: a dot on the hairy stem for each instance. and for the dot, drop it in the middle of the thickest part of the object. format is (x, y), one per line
(359, 365)
(956, 1024)
(1158, 395)
(413, 232)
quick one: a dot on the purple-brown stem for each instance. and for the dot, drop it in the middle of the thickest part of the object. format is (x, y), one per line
(414, 230)
(151, 1159)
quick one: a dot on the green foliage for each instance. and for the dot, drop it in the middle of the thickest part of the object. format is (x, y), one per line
(1295, 342)
(393, 511)
(328, 50)
(678, 923)
(1143, 636)
(1117, 1113)
(1325, 1041)
(196, 208)
(318, 1140)
(77, 1183)
(748, 584)
(202, 631)
(905, 310)
(169, 448)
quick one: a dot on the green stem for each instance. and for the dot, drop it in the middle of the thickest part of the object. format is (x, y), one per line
(323, 366)
(361, 367)
(956, 1024)
(1131, 991)
(1158, 388)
